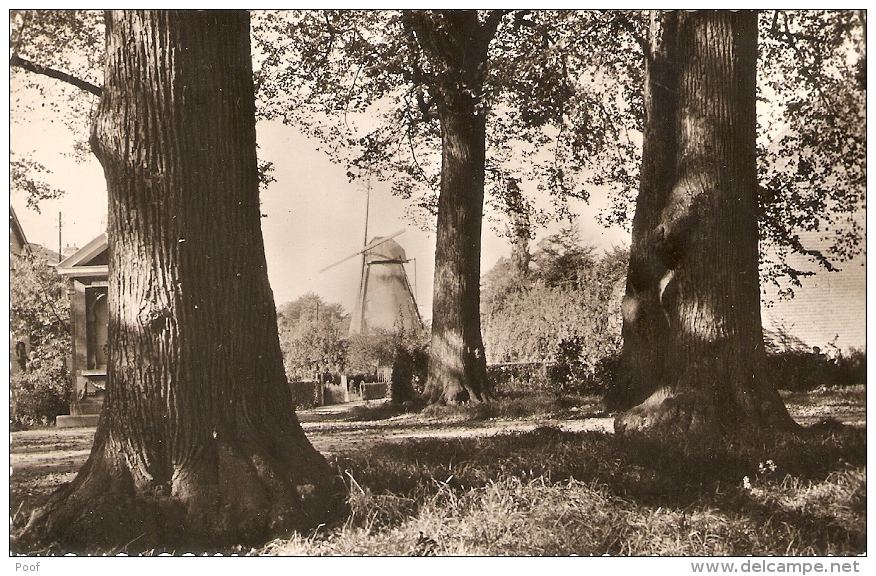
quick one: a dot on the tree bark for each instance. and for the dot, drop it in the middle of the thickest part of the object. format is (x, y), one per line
(198, 445)
(457, 365)
(518, 228)
(456, 43)
(693, 349)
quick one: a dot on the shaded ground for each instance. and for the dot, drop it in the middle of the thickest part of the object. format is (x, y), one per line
(42, 460)
(332, 435)
(846, 404)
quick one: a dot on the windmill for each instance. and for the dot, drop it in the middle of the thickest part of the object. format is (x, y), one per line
(385, 297)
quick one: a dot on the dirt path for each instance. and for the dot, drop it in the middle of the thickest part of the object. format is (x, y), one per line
(338, 437)
(53, 454)
(42, 460)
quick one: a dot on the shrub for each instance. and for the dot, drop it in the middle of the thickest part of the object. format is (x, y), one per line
(334, 394)
(797, 370)
(852, 367)
(570, 374)
(37, 398)
(605, 372)
(402, 385)
(420, 366)
(39, 314)
(518, 378)
(374, 390)
(569, 295)
(562, 313)
(410, 369)
(305, 394)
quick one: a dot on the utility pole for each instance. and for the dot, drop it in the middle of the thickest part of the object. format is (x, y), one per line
(60, 246)
(362, 277)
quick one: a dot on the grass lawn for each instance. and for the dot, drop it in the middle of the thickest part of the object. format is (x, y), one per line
(551, 491)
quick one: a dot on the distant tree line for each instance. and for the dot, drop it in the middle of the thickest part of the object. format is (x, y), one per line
(315, 340)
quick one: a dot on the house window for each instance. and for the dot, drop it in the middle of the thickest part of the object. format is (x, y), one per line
(96, 326)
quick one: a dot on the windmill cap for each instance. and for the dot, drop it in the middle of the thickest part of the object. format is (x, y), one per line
(384, 250)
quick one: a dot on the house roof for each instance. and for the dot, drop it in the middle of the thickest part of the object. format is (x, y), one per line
(85, 261)
(16, 230)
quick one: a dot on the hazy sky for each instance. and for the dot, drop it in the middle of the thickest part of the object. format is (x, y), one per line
(315, 218)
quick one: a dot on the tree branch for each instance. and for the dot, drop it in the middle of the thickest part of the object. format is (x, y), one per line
(19, 62)
(491, 24)
(24, 16)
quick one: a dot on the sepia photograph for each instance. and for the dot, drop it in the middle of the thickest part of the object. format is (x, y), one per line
(438, 282)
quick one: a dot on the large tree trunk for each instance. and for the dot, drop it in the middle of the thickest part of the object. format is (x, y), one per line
(457, 365)
(693, 344)
(456, 43)
(198, 445)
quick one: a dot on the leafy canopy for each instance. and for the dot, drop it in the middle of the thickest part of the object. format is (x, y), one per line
(563, 94)
(558, 110)
(812, 141)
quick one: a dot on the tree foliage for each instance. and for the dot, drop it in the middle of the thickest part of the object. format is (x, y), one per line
(59, 54)
(563, 95)
(564, 102)
(55, 58)
(571, 294)
(359, 84)
(39, 313)
(312, 336)
(812, 141)
(27, 176)
(56, 62)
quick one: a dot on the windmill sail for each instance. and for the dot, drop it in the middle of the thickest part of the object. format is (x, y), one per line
(373, 244)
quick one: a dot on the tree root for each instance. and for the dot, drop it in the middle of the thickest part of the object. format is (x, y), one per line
(241, 498)
(694, 412)
(664, 412)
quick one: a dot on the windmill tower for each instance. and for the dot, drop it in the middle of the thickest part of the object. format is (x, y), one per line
(385, 297)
